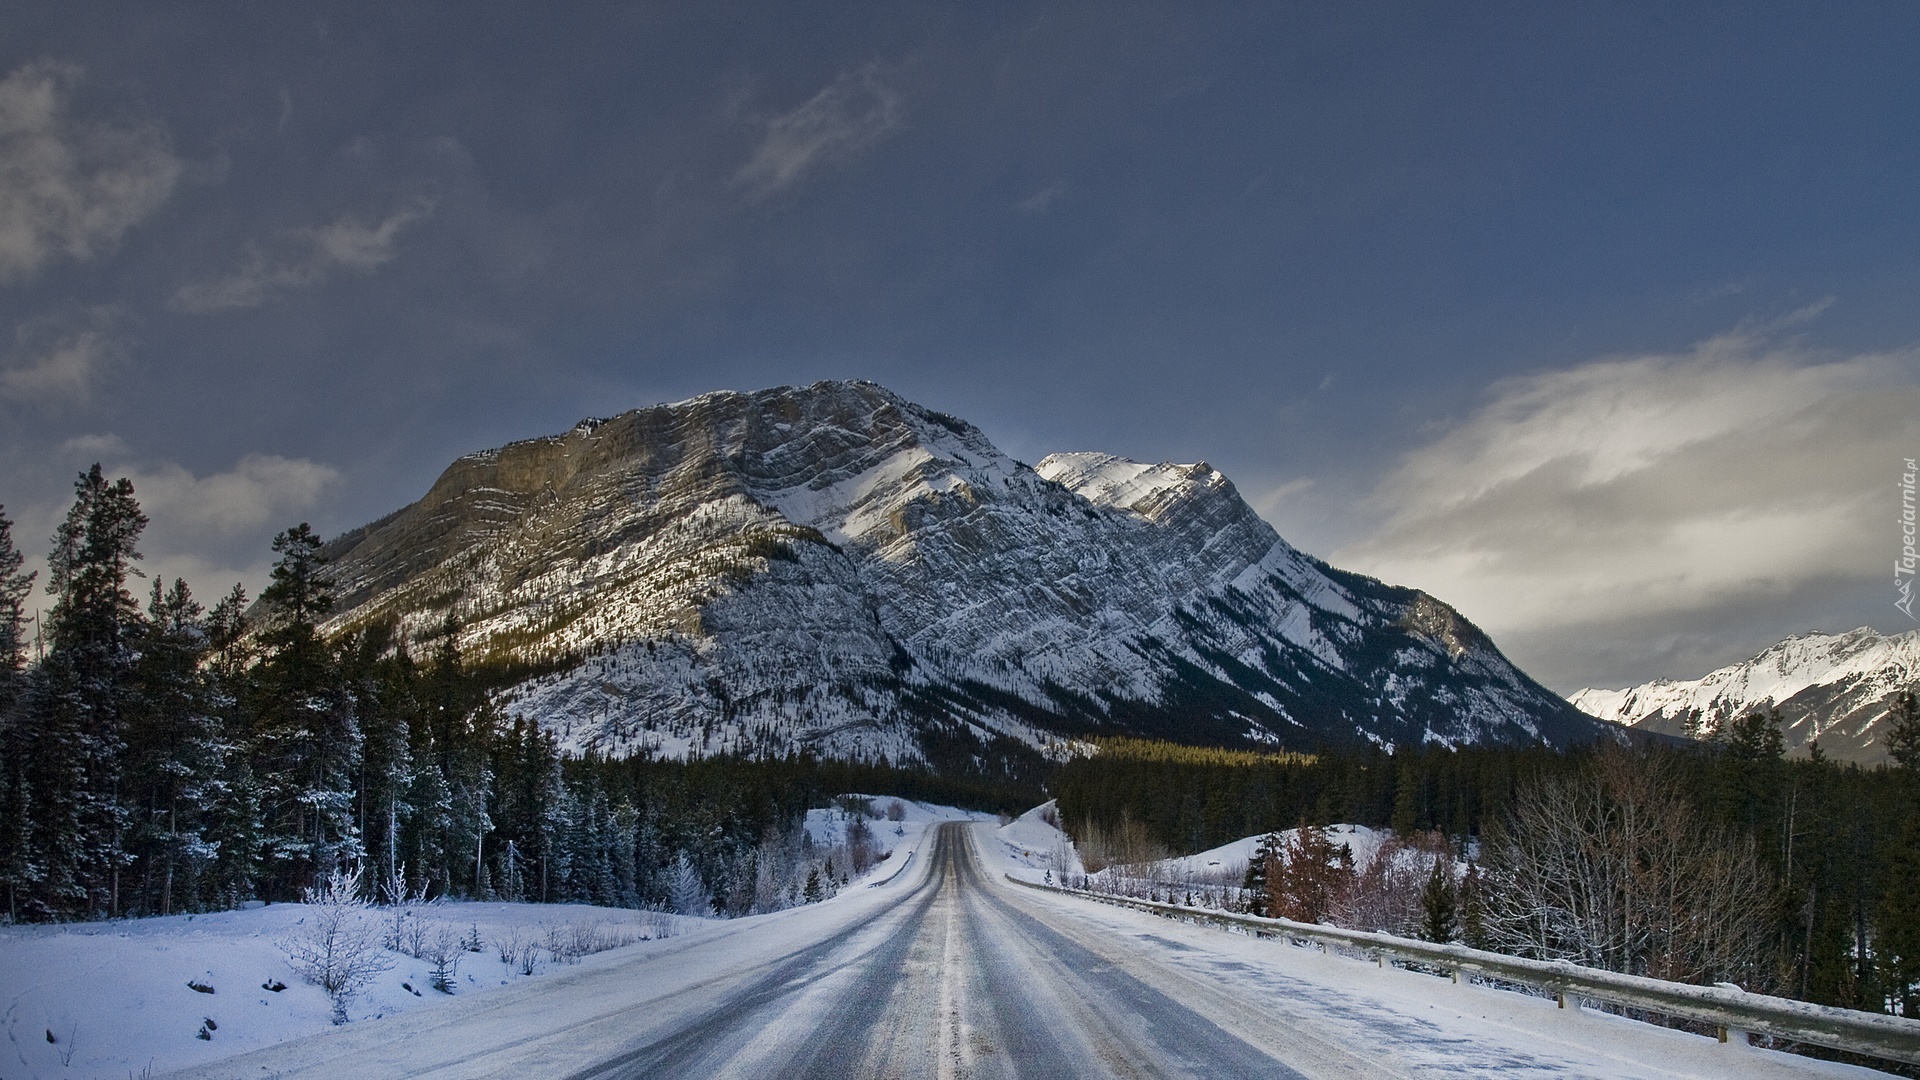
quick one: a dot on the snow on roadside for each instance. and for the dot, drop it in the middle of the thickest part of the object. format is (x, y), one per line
(1420, 1024)
(116, 1000)
(1035, 842)
(1227, 864)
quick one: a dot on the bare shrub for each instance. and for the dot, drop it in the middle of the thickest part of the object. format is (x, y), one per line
(1386, 893)
(659, 924)
(1613, 868)
(860, 848)
(338, 946)
(896, 811)
(1310, 879)
(509, 944)
(1127, 844)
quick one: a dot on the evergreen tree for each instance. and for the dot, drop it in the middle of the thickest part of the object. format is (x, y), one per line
(1473, 908)
(73, 727)
(1898, 917)
(1903, 732)
(1438, 904)
(175, 753)
(17, 869)
(307, 738)
(1257, 886)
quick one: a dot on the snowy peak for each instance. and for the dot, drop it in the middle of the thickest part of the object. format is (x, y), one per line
(835, 567)
(1833, 687)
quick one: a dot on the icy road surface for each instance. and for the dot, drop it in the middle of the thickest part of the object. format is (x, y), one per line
(949, 971)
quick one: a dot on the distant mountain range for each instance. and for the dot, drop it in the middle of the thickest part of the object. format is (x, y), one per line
(834, 568)
(1834, 687)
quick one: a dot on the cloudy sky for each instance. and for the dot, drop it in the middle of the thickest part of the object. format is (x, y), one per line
(1599, 321)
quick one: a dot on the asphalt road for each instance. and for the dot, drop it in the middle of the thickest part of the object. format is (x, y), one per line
(962, 982)
(948, 971)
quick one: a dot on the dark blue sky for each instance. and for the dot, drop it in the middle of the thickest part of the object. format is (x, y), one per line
(283, 262)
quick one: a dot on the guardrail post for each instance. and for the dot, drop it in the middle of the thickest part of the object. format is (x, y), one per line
(1734, 1037)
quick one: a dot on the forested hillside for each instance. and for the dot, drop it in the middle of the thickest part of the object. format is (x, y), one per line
(160, 756)
(1719, 861)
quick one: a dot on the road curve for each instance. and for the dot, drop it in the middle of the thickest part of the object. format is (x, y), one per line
(949, 972)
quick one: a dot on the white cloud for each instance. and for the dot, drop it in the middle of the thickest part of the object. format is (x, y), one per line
(212, 529)
(68, 186)
(58, 361)
(854, 112)
(261, 490)
(304, 257)
(1644, 491)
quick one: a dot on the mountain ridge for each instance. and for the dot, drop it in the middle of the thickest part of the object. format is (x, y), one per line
(1836, 688)
(838, 569)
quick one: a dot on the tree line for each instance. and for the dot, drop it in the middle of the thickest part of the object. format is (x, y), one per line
(159, 756)
(1722, 861)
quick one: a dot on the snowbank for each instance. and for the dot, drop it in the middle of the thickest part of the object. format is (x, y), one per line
(116, 999)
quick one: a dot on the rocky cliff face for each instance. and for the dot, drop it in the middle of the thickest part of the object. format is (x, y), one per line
(836, 568)
(1833, 687)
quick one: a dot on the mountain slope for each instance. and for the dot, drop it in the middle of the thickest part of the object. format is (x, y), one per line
(834, 567)
(1834, 687)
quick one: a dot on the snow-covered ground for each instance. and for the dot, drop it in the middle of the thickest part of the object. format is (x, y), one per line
(113, 999)
(1003, 977)
(1036, 846)
(1227, 864)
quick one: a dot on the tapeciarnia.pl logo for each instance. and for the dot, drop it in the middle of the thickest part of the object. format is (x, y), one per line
(1903, 567)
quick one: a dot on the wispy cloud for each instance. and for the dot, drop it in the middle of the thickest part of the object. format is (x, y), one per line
(854, 112)
(68, 185)
(1647, 491)
(304, 257)
(57, 361)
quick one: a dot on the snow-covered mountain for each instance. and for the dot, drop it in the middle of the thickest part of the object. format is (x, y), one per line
(834, 567)
(1834, 687)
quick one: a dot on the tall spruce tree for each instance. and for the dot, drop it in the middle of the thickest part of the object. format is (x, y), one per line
(1898, 940)
(1439, 904)
(176, 755)
(74, 720)
(307, 738)
(17, 870)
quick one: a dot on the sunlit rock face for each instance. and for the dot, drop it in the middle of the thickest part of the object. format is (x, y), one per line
(834, 568)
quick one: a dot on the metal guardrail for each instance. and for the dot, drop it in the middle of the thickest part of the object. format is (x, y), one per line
(1728, 1008)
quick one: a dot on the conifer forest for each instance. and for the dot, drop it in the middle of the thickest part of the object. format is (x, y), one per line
(165, 756)
(162, 755)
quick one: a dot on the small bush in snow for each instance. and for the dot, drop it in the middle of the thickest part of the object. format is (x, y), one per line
(444, 948)
(338, 946)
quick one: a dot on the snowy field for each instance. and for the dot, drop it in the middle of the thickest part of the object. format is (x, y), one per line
(113, 999)
(930, 964)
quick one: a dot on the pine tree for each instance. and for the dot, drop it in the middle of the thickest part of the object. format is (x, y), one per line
(74, 717)
(1438, 904)
(1898, 918)
(175, 753)
(17, 869)
(1473, 908)
(1257, 886)
(307, 736)
(1903, 732)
